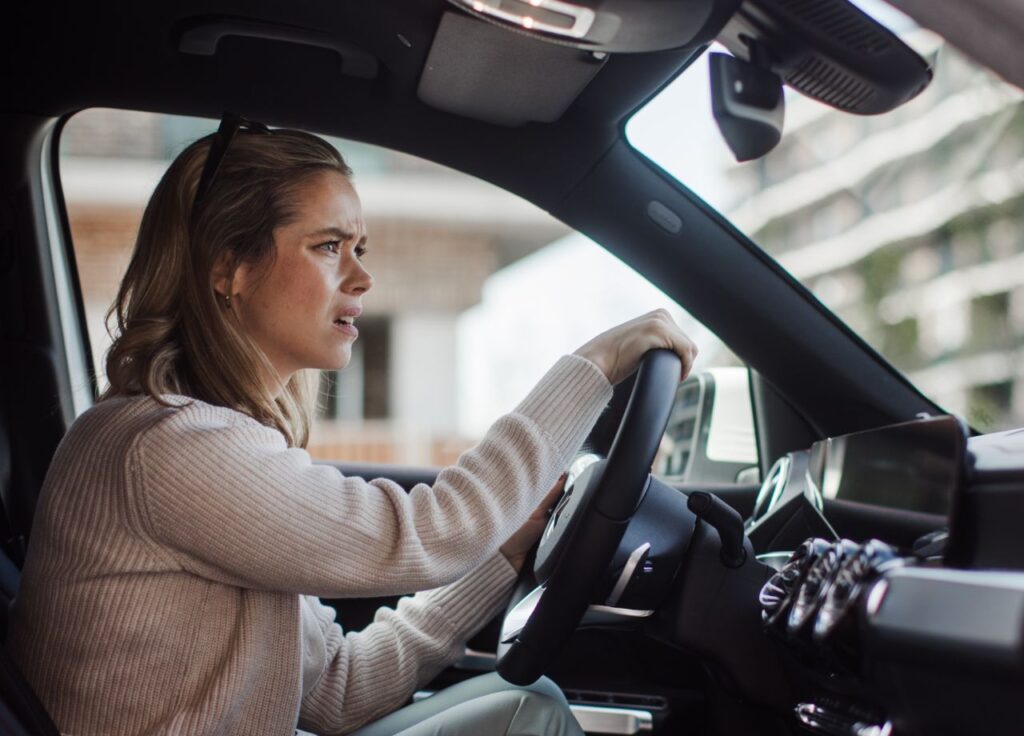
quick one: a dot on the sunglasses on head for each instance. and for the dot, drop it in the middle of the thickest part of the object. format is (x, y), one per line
(230, 124)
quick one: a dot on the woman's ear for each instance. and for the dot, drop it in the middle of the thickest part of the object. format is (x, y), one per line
(223, 274)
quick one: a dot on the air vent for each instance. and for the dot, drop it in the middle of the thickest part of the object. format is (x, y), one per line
(828, 83)
(843, 22)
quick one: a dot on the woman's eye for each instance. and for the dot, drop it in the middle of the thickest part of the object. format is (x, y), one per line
(360, 251)
(331, 246)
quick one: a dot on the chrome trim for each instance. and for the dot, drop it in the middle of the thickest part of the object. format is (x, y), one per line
(576, 469)
(72, 324)
(774, 560)
(627, 573)
(598, 718)
(830, 722)
(582, 18)
(876, 597)
(578, 465)
(516, 619)
(595, 615)
(603, 719)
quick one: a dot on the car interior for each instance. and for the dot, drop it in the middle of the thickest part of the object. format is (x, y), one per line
(867, 579)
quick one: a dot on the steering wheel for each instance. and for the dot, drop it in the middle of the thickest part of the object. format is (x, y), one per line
(587, 527)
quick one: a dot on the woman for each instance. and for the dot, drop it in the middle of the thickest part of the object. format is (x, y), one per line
(182, 535)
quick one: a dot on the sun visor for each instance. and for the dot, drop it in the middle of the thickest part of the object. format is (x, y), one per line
(482, 71)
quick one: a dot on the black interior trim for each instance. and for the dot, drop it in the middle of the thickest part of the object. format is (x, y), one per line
(792, 344)
(779, 428)
(861, 522)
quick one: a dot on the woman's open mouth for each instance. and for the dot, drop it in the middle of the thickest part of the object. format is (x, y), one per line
(344, 324)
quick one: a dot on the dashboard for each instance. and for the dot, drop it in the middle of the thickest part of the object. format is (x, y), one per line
(889, 638)
(914, 468)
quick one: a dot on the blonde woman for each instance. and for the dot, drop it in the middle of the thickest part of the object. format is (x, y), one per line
(183, 535)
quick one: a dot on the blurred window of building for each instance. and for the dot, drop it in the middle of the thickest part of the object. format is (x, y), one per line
(477, 292)
(990, 323)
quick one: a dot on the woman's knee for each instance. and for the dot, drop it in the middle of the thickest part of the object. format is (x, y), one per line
(541, 714)
(546, 686)
(493, 683)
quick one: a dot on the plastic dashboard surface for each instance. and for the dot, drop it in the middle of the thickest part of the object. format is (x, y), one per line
(915, 467)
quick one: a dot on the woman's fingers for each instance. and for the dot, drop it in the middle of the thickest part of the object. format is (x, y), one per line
(618, 351)
(545, 507)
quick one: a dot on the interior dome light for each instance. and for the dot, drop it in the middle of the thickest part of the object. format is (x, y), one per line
(554, 17)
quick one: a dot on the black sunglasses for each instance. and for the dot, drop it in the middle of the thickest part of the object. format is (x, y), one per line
(230, 124)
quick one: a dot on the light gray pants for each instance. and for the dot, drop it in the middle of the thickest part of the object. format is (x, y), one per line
(483, 706)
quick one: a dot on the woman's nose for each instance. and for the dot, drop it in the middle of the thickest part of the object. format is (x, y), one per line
(358, 280)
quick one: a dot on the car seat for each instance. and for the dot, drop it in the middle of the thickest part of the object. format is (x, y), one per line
(21, 712)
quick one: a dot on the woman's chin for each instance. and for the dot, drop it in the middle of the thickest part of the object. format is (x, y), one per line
(338, 362)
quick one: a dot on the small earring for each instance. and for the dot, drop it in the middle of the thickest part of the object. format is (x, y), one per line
(227, 301)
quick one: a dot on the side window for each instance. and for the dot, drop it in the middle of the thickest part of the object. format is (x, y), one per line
(476, 294)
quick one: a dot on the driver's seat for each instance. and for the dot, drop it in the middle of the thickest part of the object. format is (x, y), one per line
(21, 712)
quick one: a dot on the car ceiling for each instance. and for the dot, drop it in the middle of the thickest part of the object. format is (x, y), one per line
(124, 55)
(84, 62)
(991, 31)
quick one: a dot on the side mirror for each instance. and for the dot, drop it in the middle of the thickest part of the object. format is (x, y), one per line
(748, 105)
(710, 433)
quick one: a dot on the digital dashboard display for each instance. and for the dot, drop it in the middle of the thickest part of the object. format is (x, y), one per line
(914, 466)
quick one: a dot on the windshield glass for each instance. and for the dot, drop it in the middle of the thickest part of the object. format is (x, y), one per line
(907, 225)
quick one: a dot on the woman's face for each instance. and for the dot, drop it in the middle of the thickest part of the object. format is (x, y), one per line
(301, 311)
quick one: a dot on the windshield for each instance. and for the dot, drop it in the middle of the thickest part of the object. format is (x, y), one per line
(907, 225)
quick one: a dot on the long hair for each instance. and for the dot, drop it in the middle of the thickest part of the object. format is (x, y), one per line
(173, 335)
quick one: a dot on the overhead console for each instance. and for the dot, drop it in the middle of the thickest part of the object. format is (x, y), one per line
(512, 62)
(609, 26)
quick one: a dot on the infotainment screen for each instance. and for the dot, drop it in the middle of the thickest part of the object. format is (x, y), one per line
(914, 466)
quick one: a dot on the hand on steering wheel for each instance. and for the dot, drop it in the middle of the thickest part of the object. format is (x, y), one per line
(617, 352)
(586, 529)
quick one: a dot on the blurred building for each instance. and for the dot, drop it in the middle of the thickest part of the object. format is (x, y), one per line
(435, 236)
(910, 226)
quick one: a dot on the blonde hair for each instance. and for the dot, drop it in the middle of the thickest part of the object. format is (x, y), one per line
(173, 333)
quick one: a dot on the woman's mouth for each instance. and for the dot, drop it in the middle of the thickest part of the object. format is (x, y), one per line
(344, 324)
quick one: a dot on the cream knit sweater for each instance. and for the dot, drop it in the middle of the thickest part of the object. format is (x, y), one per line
(177, 552)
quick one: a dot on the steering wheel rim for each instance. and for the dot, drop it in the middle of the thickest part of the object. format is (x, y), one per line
(580, 541)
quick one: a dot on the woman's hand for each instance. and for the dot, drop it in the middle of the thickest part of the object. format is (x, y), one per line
(617, 352)
(520, 543)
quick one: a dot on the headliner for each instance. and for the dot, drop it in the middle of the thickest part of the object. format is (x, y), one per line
(84, 62)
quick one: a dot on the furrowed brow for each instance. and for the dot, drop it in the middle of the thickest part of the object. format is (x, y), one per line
(331, 232)
(337, 234)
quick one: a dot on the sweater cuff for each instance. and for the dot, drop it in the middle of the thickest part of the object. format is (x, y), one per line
(567, 401)
(470, 602)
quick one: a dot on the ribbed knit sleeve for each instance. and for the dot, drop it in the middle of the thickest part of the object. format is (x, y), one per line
(372, 672)
(231, 503)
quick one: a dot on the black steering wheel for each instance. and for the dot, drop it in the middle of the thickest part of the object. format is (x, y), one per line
(587, 527)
